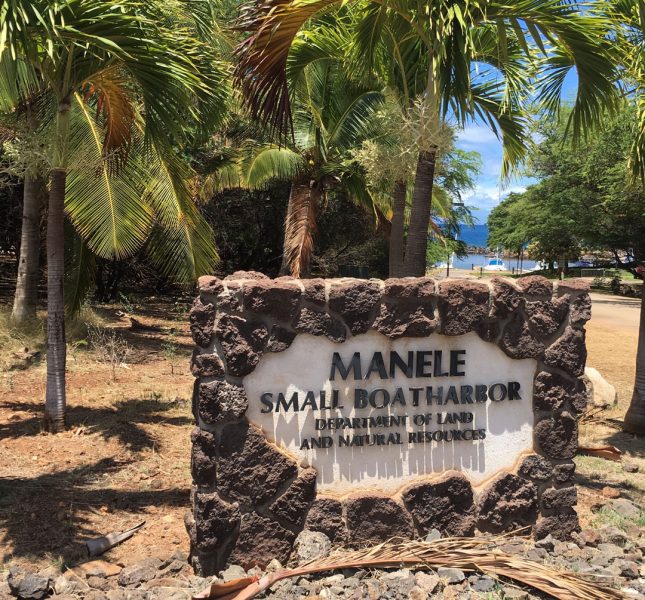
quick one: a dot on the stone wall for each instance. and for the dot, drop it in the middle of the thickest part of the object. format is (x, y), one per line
(250, 498)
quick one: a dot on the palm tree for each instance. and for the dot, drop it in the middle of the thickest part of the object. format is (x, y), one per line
(628, 18)
(72, 48)
(452, 39)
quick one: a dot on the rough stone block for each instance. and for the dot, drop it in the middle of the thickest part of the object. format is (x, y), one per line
(206, 365)
(564, 472)
(260, 541)
(276, 299)
(202, 320)
(568, 352)
(557, 436)
(242, 342)
(508, 503)
(314, 291)
(580, 311)
(250, 469)
(293, 504)
(280, 339)
(462, 306)
(552, 392)
(326, 515)
(536, 467)
(215, 521)
(507, 297)
(560, 525)
(518, 341)
(203, 462)
(547, 316)
(535, 285)
(373, 519)
(319, 322)
(399, 320)
(445, 505)
(221, 402)
(558, 498)
(355, 302)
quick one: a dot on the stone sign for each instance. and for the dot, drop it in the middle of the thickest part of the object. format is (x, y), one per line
(370, 409)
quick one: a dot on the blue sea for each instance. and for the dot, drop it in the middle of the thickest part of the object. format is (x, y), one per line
(475, 236)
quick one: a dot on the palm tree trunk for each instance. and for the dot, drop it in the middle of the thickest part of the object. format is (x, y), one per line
(414, 263)
(56, 350)
(635, 417)
(397, 233)
(284, 267)
(25, 300)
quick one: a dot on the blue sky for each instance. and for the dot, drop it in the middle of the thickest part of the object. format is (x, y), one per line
(479, 137)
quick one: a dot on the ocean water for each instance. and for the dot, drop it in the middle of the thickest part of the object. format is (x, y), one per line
(475, 236)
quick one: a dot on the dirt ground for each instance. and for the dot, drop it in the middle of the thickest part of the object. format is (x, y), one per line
(125, 457)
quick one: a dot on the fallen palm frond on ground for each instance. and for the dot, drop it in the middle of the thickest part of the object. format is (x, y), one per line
(608, 452)
(468, 554)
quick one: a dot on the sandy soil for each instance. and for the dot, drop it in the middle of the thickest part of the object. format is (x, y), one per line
(125, 457)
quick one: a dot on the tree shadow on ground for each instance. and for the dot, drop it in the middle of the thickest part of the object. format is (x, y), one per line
(122, 421)
(50, 514)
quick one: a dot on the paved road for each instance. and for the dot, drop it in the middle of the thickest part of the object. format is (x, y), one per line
(615, 311)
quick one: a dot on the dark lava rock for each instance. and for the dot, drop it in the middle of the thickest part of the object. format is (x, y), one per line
(242, 342)
(556, 498)
(557, 436)
(293, 504)
(139, 573)
(202, 320)
(488, 330)
(28, 586)
(568, 352)
(326, 516)
(507, 297)
(372, 519)
(560, 525)
(208, 284)
(552, 391)
(261, 540)
(451, 575)
(536, 467)
(462, 306)
(509, 503)
(250, 469)
(564, 472)
(314, 291)
(206, 365)
(319, 322)
(547, 316)
(280, 339)
(277, 299)
(518, 341)
(203, 462)
(221, 402)
(445, 505)
(410, 288)
(401, 319)
(354, 301)
(215, 521)
(535, 285)
(580, 310)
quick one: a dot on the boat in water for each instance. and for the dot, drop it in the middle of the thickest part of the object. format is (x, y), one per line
(496, 264)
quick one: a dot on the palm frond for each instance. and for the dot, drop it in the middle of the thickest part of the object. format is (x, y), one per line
(80, 273)
(266, 164)
(301, 226)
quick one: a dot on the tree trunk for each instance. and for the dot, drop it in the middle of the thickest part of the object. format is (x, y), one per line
(284, 267)
(25, 300)
(414, 262)
(56, 351)
(397, 234)
(635, 417)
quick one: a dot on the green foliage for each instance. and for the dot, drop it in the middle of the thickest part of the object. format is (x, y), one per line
(583, 200)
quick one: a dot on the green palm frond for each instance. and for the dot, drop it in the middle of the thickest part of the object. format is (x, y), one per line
(106, 210)
(266, 164)
(80, 272)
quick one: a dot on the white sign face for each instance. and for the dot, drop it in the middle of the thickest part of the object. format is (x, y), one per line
(375, 414)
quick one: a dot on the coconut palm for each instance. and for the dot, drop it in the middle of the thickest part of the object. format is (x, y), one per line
(446, 37)
(628, 18)
(107, 51)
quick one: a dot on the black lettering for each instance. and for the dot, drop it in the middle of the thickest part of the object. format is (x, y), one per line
(415, 395)
(399, 398)
(320, 424)
(492, 392)
(374, 394)
(514, 390)
(455, 363)
(377, 364)
(397, 361)
(468, 437)
(337, 364)
(466, 394)
(452, 395)
(437, 364)
(480, 393)
(282, 402)
(310, 401)
(266, 399)
(360, 398)
(423, 360)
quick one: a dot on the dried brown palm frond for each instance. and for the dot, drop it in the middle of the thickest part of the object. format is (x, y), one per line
(468, 554)
(262, 57)
(300, 226)
(608, 452)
